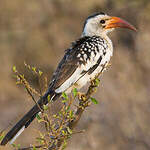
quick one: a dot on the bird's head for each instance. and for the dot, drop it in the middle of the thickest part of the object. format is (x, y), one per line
(100, 24)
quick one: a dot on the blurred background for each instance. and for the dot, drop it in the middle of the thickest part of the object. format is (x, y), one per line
(38, 32)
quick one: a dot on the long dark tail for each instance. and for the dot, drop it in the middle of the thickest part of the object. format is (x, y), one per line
(28, 118)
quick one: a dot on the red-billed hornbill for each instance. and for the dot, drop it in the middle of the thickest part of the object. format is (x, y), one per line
(86, 58)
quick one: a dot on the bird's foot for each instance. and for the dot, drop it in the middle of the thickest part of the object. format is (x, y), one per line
(83, 100)
(81, 96)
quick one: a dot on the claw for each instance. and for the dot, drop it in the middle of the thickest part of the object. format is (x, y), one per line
(81, 95)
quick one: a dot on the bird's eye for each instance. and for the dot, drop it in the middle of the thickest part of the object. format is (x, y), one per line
(102, 21)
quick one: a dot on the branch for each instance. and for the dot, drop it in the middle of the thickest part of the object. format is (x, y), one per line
(60, 126)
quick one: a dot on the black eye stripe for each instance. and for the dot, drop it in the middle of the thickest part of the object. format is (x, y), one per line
(102, 21)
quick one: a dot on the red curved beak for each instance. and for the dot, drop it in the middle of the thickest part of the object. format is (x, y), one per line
(116, 22)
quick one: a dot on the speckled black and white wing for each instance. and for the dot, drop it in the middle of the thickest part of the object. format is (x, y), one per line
(81, 63)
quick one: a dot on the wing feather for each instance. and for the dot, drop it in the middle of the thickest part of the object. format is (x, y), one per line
(68, 66)
(72, 68)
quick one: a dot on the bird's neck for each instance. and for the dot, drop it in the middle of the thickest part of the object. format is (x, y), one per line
(103, 36)
(110, 44)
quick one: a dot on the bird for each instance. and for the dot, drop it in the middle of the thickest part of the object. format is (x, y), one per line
(82, 62)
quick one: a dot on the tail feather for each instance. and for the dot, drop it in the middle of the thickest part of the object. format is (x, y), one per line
(18, 133)
(27, 119)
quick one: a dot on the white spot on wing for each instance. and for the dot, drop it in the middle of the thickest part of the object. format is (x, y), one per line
(85, 56)
(92, 55)
(79, 55)
(81, 58)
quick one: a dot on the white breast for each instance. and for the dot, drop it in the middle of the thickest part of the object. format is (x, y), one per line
(87, 78)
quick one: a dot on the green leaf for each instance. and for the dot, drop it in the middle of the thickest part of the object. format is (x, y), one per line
(34, 69)
(14, 145)
(64, 101)
(14, 69)
(94, 100)
(64, 144)
(63, 132)
(65, 95)
(1, 137)
(54, 116)
(40, 72)
(34, 148)
(45, 107)
(69, 130)
(75, 92)
(67, 108)
(60, 113)
(49, 98)
(40, 140)
(18, 146)
(97, 81)
(38, 117)
(71, 114)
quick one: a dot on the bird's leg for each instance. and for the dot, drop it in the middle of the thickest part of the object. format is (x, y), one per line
(83, 100)
(107, 65)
